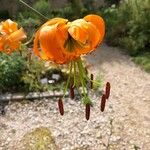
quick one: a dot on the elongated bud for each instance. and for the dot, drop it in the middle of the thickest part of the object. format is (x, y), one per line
(61, 106)
(87, 111)
(107, 90)
(72, 91)
(103, 101)
(91, 82)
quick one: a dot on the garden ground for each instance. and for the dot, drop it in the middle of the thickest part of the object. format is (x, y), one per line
(123, 126)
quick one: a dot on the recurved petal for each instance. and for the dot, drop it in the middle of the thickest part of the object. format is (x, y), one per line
(9, 26)
(49, 43)
(94, 36)
(77, 30)
(36, 49)
(55, 21)
(98, 22)
(17, 35)
(1, 45)
(85, 33)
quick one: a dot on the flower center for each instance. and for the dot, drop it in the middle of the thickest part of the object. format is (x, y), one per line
(71, 44)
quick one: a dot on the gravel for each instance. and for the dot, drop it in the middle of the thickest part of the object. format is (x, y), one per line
(124, 125)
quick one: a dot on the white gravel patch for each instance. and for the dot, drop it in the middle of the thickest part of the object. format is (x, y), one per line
(125, 124)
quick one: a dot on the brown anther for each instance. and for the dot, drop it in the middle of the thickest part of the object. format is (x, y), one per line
(87, 111)
(107, 90)
(61, 106)
(103, 101)
(72, 91)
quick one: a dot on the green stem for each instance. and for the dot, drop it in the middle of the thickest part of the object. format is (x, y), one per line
(68, 80)
(76, 82)
(34, 10)
(74, 66)
(84, 72)
(83, 69)
(81, 78)
(29, 41)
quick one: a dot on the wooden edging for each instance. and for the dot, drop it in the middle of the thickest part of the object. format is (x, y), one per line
(31, 96)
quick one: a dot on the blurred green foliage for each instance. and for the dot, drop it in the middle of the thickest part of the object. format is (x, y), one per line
(143, 60)
(22, 72)
(12, 67)
(31, 21)
(128, 26)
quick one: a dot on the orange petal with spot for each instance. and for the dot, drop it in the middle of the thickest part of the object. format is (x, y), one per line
(77, 30)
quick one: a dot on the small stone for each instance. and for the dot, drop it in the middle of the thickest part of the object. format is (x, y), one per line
(56, 77)
(44, 81)
(51, 81)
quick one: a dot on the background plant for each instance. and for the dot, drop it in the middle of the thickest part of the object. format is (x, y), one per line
(21, 73)
(128, 26)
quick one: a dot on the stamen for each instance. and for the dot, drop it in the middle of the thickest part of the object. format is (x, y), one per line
(103, 101)
(87, 111)
(107, 91)
(68, 80)
(72, 91)
(61, 106)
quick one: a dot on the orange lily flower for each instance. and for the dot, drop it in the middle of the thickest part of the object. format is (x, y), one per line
(10, 36)
(62, 41)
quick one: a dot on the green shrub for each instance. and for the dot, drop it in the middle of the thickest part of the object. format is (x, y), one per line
(32, 75)
(143, 60)
(44, 7)
(20, 73)
(12, 67)
(30, 20)
(128, 25)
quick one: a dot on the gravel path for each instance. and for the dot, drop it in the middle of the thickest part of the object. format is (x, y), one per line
(125, 124)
